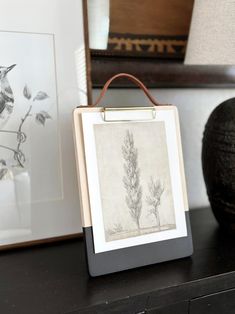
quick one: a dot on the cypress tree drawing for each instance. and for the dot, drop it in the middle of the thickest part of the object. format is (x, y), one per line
(154, 198)
(131, 179)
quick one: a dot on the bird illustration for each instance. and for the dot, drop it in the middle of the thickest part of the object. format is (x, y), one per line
(6, 94)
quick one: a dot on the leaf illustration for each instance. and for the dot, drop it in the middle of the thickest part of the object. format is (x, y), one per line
(3, 162)
(46, 114)
(27, 92)
(41, 117)
(9, 108)
(41, 96)
(3, 172)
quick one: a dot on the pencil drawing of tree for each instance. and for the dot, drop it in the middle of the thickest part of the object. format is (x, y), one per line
(154, 198)
(40, 118)
(131, 179)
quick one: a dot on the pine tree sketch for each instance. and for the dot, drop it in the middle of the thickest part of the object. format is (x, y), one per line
(156, 190)
(131, 179)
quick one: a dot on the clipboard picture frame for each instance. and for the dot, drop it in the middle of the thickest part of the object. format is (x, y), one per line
(131, 250)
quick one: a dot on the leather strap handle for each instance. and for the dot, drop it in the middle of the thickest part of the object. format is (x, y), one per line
(134, 80)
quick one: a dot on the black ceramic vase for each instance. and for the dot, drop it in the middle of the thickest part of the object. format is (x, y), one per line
(218, 163)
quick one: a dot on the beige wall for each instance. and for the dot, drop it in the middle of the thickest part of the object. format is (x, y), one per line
(195, 106)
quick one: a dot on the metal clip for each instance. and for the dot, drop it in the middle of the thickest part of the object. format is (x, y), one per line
(124, 114)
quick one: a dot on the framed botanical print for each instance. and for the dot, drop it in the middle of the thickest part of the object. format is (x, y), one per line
(132, 186)
(42, 78)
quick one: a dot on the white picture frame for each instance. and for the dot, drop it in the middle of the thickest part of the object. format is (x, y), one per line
(55, 217)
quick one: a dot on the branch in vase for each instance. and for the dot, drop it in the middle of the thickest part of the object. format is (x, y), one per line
(20, 157)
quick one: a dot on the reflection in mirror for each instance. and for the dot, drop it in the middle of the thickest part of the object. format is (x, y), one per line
(98, 23)
(155, 28)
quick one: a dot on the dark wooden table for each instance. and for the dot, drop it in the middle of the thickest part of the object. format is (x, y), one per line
(53, 279)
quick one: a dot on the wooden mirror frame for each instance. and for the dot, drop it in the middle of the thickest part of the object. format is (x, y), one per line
(155, 73)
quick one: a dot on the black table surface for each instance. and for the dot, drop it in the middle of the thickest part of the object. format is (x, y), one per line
(54, 278)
